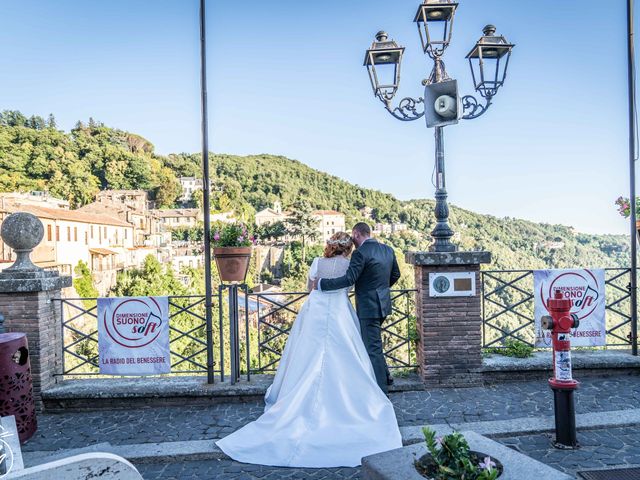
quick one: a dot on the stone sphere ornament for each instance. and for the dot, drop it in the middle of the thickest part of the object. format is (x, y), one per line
(22, 232)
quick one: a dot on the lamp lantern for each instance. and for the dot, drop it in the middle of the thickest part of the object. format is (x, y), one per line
(383, 61)
(489, 61)
(435, 25)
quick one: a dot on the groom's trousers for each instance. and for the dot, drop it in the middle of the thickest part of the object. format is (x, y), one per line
(370, 329)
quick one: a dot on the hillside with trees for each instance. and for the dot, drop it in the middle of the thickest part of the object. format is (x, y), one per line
(36, 155)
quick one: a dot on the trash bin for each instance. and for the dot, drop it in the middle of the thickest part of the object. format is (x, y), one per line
(16, 385)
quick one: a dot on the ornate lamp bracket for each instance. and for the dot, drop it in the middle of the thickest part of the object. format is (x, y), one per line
(408, 110)
(471, 108)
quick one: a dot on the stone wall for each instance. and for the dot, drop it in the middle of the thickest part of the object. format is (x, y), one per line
(449, 328)
(37, 314)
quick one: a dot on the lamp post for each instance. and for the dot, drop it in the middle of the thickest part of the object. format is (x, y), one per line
(441, 104)
(633, 128)
(206, 189)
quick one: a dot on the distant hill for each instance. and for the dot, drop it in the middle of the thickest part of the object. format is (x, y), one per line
(34, 155)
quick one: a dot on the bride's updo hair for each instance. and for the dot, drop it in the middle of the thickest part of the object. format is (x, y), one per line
(339, 244)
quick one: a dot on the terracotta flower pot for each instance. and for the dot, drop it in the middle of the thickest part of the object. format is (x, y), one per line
(232, 262)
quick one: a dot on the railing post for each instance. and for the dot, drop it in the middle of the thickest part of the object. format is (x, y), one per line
(234, 333)
(246, 330)
(221, 289)
(64, 349)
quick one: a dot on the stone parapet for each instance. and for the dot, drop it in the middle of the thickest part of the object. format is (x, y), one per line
(449, 328)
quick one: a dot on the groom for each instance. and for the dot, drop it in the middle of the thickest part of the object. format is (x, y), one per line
(373, 270)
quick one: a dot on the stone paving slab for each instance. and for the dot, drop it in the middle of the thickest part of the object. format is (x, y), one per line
(436, 406)
(229, 470)
(599, 449)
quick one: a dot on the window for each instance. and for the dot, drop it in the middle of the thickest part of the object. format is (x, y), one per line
(68, 234)
(57, 233)
(125, 233)
(104, 232)
(86, 238)
(49, 233)
(91, 232)
(75, 234)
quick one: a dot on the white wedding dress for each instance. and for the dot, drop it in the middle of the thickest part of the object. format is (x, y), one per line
(324, 408)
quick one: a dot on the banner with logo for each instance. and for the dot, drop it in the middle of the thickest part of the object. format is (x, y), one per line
(133, 336)
(587, 290)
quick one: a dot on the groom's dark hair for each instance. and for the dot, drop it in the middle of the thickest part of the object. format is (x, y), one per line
(363, 229)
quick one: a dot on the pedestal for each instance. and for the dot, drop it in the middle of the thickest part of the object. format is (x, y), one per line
(28, 303)
(449, 327)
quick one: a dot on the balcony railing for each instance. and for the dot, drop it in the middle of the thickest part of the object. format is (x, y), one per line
(508, 306)
(266, 319)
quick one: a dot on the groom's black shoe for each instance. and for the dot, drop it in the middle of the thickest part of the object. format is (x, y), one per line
(389, 380)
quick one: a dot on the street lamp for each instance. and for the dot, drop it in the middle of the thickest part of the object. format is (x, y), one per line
(441, 104)
(435, 20)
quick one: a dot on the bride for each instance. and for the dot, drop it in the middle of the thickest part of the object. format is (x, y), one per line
(324, 408)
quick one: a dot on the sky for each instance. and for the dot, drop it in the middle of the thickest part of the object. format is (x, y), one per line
(286, 78)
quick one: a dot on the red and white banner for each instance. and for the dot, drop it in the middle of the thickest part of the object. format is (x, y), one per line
(133, 336)
(587, 290)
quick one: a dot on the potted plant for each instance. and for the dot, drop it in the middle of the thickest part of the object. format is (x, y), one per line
(450, 458)
(624, 208)
(232, 251)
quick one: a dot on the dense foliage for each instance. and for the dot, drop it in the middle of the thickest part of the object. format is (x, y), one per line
(34, 155)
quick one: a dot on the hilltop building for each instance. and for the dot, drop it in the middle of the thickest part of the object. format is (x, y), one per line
(329, 221)
(132, 206)
(180, 217)
(271, 215)
(189, 185)
(389, 228)
(101, 241)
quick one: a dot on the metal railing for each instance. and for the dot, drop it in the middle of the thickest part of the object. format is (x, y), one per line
(248, 338)
(275, 312)
(187, 334)
(508, 307)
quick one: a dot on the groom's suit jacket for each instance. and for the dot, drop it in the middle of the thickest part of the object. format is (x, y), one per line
(373, 270)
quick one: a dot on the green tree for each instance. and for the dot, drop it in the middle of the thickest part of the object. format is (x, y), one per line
(302, 224)
(83, 282)
(51, 122)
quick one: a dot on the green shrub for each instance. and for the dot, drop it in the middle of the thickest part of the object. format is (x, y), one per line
(513, 348)
(452, 459)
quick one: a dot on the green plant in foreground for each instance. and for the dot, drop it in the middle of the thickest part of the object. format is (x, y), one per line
(513, 348)
(452, 459)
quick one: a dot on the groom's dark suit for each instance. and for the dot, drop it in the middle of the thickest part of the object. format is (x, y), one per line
(373, 270)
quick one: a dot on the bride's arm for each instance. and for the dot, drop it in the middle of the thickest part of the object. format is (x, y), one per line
(313, 275)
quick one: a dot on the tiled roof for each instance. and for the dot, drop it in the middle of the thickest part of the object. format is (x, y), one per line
(69, 215)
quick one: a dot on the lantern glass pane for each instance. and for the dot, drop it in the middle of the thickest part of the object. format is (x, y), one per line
(385, 79)
(435, 23)
(489, 72)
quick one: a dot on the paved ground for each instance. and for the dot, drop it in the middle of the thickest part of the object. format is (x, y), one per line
(225, 469)
(168, 424)
(501, 402)
(599, 449)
